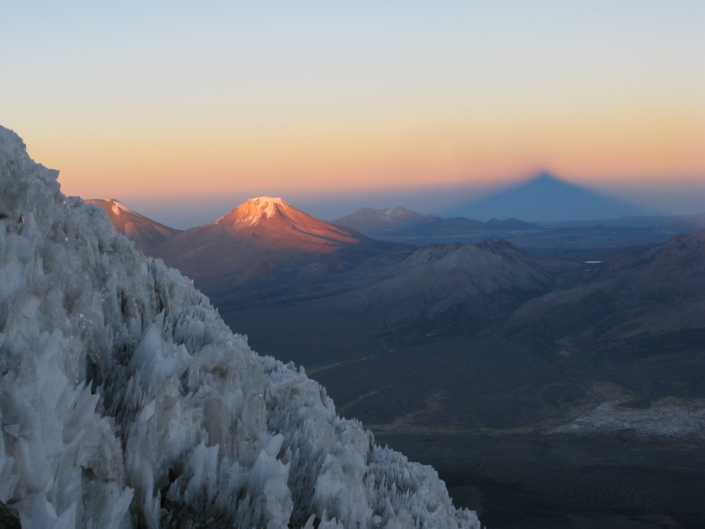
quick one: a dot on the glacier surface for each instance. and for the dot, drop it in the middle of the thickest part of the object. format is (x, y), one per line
(126, 402)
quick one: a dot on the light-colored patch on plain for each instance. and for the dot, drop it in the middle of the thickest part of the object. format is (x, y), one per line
(668, 417)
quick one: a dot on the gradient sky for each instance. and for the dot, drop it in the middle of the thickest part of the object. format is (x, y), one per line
(137, 100)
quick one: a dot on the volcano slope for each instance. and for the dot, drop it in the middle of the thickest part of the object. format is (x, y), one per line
(581, 382)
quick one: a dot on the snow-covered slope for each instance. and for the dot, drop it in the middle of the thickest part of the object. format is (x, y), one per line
(126, 402)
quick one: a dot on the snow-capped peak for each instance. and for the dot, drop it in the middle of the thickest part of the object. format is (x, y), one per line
(267, 201)
(267, 206)
(256, 210)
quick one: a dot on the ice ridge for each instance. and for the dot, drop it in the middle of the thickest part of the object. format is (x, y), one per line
(126, 402)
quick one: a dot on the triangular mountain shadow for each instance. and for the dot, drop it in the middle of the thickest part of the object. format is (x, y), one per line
(547, 198)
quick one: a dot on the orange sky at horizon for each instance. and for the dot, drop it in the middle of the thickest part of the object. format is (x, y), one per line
(588, 148)
(163, 100)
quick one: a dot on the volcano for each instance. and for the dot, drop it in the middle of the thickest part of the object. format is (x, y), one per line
(275, 223)
(260, 237)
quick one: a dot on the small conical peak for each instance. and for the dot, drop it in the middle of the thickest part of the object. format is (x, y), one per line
(115, 205)
(398, 212)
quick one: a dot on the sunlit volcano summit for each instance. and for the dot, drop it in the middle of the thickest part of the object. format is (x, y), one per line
(256, 209)
(260, 237)
(274, 222)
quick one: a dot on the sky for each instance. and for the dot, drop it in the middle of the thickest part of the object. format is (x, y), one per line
(195, 107)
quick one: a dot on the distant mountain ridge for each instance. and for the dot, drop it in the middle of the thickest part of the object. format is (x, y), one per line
(639, 221)
(368, 219)
(266, 236)
(400, 222)
(415, 228)
(547, 198)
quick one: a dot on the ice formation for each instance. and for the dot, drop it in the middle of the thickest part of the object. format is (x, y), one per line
(126, 402)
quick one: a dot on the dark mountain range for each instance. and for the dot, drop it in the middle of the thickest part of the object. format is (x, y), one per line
(685, 225)
(260, 259)
(371, 221)
(400, 224)
(461, 354)
(642, 221)
(641, 302)
(546, 198)
(566, 239)
(145, 233)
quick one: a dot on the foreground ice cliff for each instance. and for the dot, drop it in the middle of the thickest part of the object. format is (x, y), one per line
(126, 402)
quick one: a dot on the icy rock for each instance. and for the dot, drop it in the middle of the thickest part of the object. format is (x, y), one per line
(126, 402)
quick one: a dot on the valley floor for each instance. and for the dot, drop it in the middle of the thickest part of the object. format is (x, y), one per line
(527, 441)
(526, 481)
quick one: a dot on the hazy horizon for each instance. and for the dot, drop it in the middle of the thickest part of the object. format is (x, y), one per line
(184, 212)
